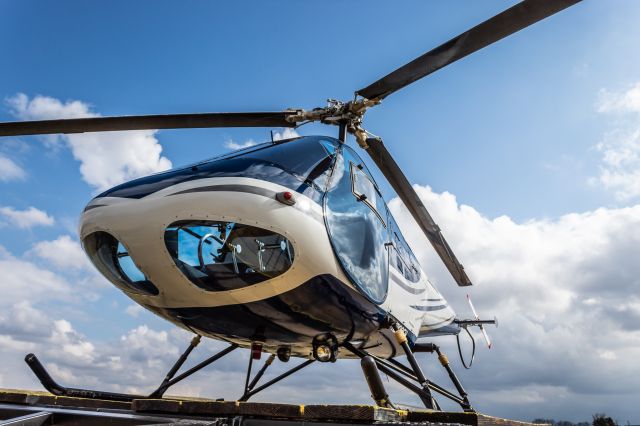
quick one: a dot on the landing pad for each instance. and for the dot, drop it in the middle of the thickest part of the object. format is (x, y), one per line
(42, 408)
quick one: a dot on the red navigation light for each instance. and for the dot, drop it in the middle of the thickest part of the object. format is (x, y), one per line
(286, 197)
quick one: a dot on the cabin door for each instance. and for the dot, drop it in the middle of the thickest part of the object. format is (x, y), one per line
(356, 217)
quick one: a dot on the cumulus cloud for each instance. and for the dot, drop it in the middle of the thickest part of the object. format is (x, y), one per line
(63, 252)
(564, 290)
(10, 171)
(627, 101)
(620, 147)
(134, 310)
(107, 158)
(286, 133)
(26, 281)
(235, 145)
(26, 219)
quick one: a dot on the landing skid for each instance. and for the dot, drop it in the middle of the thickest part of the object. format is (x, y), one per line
(411, 376)
(170, 379)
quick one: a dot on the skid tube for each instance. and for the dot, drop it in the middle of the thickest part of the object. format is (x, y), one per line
(56, 389)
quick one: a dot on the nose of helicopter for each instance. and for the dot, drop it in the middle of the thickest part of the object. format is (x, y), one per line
(208, 243)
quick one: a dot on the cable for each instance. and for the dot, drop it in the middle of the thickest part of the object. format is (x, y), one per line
(473, 350)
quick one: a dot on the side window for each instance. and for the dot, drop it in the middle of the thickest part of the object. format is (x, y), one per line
(404, 260)
(366, 192)
(111, 258)
(220, 256)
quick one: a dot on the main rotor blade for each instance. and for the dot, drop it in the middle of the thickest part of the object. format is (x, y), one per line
(410, 198)
(500, 26)
(145, 122)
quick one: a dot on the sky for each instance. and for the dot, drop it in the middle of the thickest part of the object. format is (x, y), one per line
(527, 153)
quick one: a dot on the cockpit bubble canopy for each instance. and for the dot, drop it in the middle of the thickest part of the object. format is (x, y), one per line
(302, 165)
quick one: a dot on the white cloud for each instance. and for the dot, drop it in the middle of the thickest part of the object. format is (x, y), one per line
(287, 133)
(628, 101)
(72, 343)
(235, 145)
(106, 158)
(9, 170)
(620, 147)
(26, 281)
(564, 290)
(63, 252)
(26, 219)
(134, 310)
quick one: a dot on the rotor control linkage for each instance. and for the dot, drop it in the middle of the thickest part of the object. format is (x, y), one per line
(444, 361)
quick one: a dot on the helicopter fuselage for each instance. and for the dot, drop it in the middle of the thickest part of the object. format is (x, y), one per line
(276, 244)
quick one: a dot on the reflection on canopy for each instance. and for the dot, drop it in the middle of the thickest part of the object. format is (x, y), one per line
(357, 234)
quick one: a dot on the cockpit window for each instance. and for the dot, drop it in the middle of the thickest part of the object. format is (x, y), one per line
(219, 256)
(112, 259)
(402, 258)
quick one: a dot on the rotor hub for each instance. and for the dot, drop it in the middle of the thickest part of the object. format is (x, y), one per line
(338, 113)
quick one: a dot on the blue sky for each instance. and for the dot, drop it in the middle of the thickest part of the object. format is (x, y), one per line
(539, 129)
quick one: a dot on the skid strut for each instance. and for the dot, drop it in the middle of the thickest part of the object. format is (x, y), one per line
(444, 361)
(372, 376)
(250, 388)
(401, 338)
(409, 376)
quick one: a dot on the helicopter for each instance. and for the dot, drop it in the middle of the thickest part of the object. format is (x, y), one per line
(287, 247)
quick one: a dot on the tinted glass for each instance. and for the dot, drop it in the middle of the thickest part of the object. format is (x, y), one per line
(357, 234)
(402, 258)
(219, 256)
(111, 258)
(302, 165)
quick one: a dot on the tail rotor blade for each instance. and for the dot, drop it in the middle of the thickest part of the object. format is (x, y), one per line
(486, 336)
(475, 314)
(477, 317)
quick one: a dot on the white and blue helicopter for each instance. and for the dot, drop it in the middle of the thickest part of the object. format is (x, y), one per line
(288, 247)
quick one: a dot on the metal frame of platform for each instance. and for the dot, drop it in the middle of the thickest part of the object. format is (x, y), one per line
(33, 408)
